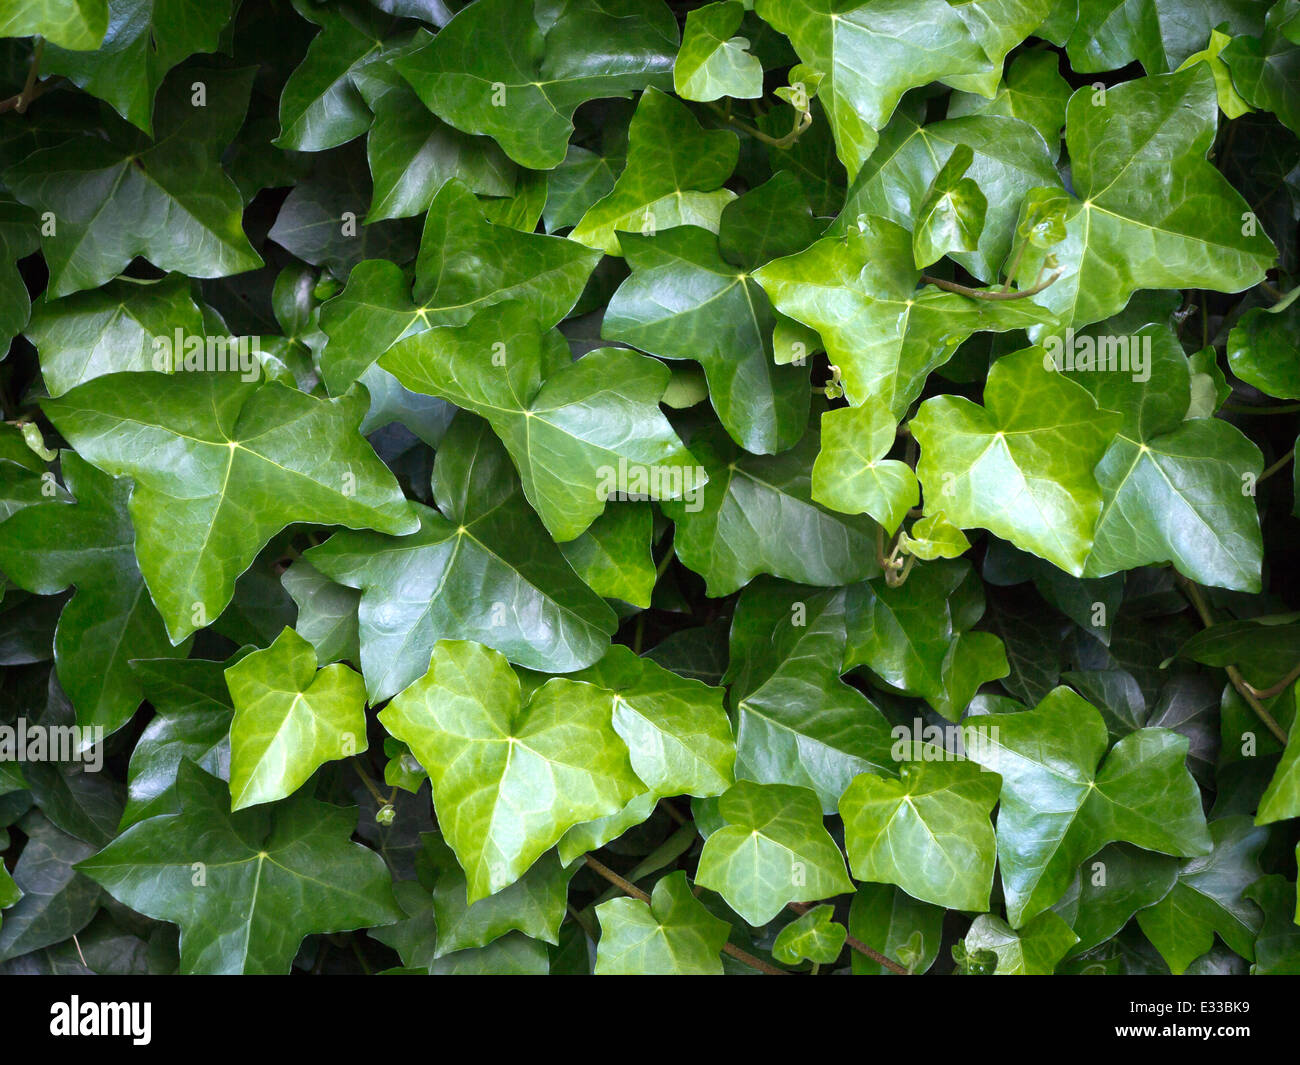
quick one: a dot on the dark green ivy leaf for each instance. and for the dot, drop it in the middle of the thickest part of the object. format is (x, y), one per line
(480, 567)
(523, 92)
(103, 203)
(111, 619)
(144, 40)
(245, 888)
(1057, 750)
(218, 470)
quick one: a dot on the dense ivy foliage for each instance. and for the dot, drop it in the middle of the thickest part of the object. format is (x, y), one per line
(621, 486)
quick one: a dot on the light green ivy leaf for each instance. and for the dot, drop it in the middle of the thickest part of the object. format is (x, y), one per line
(673, 935)
(510, 776)
(772, 850)
(289, 719)
(928, 831)
(1022, 465)
(1061, 802)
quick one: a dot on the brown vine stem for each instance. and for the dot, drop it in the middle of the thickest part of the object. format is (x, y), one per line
(858, 945)
(1278, 688)
(629, 888)
(1239, 682)
(800, 127)
(31, 89)
(986, 294)
(896, 575)
(1015, 265)
(370, 784)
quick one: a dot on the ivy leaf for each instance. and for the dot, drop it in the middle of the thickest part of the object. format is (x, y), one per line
(1032, 91)
(815, 936)
(1141, 794)
(523, 92)
(934, 536)
(269, 877)
(168, 201)
(1151, 211)
(678, 737)
(773, 849)
(18, 239)
(1114, 884)
(1264, 649)
(320, 106)
(771, 220)
(928, 831)
(756, 515)
(676, 731)
(797, 722)
(684, 301)
(578, 432)
(1033, 950)
(1264, 68)
(1277, 947)
(110, 620)
(870, 54)
(319, 221)
(674, 175)
(289, 719)
(889, 920)
(534, 904)
(218, 470)
(1159, 34)
(1021, 465)
(144, 39)
(572, 187)
(592, 835)
(510, 776)
(858, 291)
(112, 330)
(951, 214)
(972, 661)
(905, 634)
(1006, 163)
(72, 24)
(673, 935)
(1188, 474)
(1282, 799)
(191, 723)
(9, 891)
(614, 555)
(413, 153)
(1209, 898)
(1202, 523)
(1230, 101)
(327, 613)
(480, 567)
(1262, 348)
(522, 208)
(67, 782)
(851, 473)
(58, 901)
(511, 955)
(465, 265)
(712, 62)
